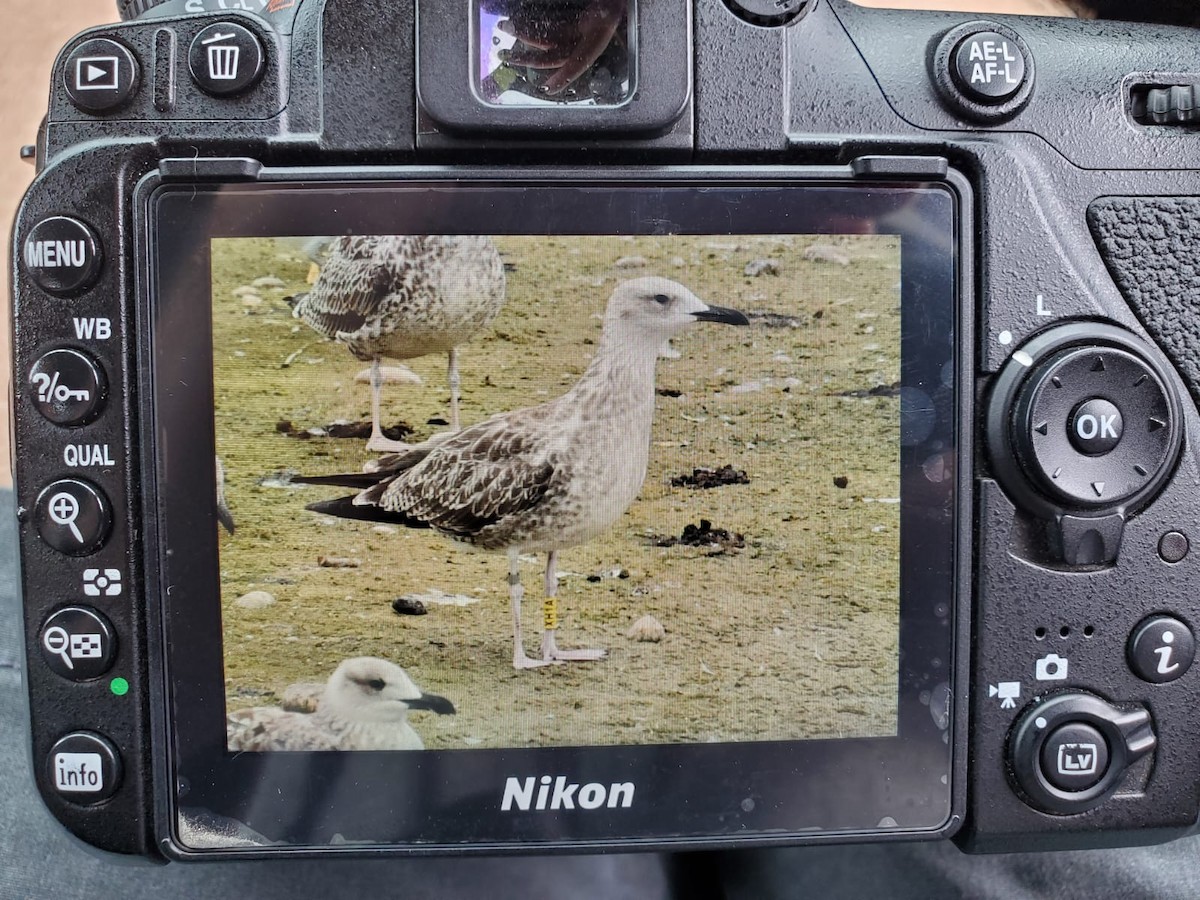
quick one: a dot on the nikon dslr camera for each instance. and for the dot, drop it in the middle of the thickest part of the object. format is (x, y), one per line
(519, 425)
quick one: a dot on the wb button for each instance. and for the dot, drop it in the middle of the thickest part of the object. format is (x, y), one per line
(1095, 427)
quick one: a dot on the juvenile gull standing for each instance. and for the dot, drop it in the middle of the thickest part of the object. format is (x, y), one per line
(401, 297)
(364, 706)
(548, 477)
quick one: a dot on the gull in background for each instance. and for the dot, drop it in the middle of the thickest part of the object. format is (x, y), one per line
(401, 297)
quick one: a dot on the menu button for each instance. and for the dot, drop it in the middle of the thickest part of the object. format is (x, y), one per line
(62, 255)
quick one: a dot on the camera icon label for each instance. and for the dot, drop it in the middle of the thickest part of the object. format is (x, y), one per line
(1051, 667)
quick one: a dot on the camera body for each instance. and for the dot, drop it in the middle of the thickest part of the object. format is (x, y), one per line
(1039, 178)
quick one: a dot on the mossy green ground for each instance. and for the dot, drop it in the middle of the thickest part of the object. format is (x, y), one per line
(794, 636)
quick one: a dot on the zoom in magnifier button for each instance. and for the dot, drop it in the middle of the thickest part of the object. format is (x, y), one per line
(72, 516)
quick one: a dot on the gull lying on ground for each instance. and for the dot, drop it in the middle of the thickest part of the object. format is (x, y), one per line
(365, 706)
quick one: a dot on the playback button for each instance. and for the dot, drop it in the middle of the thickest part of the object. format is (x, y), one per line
(68, 387)
(84, 768)
(100, 75)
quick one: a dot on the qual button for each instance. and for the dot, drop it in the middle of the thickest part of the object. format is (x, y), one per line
(72, 516)
(225, 59)
(62, 255)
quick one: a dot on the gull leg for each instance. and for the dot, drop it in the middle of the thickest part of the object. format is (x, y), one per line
(550, 651)
(516, 593)
(452, 377)
(378, 442)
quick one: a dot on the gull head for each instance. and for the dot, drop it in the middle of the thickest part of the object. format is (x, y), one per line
(661, 308)
(368, 689)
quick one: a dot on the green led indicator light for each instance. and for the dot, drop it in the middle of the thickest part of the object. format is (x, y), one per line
(119, 686)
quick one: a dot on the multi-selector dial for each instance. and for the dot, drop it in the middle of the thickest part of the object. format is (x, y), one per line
(1084, 428)
(1092, 425)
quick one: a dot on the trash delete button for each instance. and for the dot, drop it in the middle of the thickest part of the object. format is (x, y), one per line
(100, 75)
(225, 59)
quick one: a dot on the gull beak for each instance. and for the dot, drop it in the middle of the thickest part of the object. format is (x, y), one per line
(721, 314)
(433, 703)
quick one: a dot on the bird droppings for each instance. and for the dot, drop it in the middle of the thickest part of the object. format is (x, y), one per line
(251, 300)
(433, 595)
(384, 529)
(879, 390)
(342, 429)
(720, 540)
(747, 387)
(243, 290)
(677, 262)
(775, 320)
(390, 375)
(711, 478)
(840, 481)
(255, 600)
(647, 629)
(758, 267)
(268, 281)
(408, 606)
(826, 254)
(338, 562)
(630, 262)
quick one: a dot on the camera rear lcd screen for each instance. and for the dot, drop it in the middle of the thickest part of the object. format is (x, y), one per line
(534, 517)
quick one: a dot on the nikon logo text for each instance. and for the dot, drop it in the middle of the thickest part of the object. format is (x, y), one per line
(549, 792)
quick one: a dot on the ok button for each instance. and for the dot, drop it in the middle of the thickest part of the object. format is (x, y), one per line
(1095, 427)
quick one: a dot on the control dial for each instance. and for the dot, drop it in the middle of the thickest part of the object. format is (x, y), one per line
(1084, 422)
(1068, 752)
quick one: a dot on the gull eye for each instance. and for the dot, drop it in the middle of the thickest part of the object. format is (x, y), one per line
(662, 299)
(376, 684)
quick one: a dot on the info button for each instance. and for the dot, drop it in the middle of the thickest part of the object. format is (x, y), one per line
(62, 255)
(84, 767)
